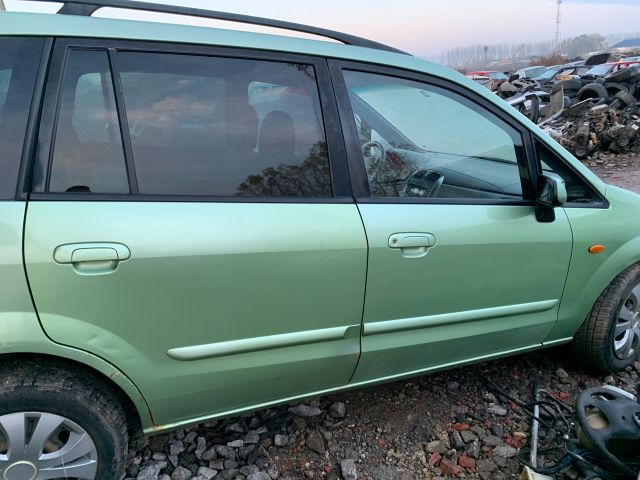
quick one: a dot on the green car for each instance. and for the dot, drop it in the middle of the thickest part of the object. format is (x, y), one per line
(197, 223)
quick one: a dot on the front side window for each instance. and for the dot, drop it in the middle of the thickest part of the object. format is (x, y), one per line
(419, 140)
(224, 126)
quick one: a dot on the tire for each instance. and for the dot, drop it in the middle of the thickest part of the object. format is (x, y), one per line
(593, 90)
(40, 393)
(614, 88)
(571, 85)
(626, 98)
(594, 344)
(569, 92)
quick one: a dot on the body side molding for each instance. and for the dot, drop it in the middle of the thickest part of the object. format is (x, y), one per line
(414, 323)
(256, 344)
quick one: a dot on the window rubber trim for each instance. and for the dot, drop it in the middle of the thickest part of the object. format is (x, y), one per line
(360, 184)
(124, 197)
(25, 173)
(123, 121)
(338, 164)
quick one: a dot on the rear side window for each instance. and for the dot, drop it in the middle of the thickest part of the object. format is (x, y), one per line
(19, 60)
(197, 126)
(223, 126)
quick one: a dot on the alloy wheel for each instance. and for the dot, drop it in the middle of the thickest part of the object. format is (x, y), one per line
(39, 446)
(626, 336)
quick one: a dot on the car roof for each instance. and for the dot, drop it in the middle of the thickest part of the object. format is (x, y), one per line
(56, 25)
(621, 62)
(76, 26)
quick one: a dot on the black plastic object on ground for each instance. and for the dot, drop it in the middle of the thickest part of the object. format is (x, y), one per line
(610, 422)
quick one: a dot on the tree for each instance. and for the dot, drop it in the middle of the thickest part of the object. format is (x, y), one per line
(583, 44)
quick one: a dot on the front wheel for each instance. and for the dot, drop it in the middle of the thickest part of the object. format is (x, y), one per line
(58, 424)
(609, 340)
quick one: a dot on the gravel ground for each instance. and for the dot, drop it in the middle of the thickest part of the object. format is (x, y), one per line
(448, 425)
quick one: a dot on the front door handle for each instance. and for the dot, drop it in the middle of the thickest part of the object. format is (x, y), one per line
(92, 258)
(412, 245)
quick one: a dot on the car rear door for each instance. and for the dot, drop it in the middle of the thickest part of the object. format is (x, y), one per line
(459, 267)
(186, 224)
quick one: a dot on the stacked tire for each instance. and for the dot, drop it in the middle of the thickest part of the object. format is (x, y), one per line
(621, 88)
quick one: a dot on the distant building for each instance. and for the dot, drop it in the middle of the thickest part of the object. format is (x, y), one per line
(628, 44)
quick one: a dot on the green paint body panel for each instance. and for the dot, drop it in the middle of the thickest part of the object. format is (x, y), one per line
(221, 308)
(186, 316)
(21, 331)
(492, 282)
(618, 228)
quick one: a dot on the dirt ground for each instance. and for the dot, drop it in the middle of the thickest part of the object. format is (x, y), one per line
(414, 429)
(622, 170)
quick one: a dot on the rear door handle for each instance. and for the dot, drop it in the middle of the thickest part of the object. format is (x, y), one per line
(92, 258)
(412, 245)
(91, 252)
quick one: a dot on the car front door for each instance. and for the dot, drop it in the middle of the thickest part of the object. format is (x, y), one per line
(459, 268)
(186, 224)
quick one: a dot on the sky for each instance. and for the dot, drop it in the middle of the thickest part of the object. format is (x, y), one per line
(426, 27)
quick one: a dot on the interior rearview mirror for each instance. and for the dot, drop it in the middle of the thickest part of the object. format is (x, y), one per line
(552, 192)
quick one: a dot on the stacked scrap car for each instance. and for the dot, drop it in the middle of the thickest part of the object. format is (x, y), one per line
(603, 115)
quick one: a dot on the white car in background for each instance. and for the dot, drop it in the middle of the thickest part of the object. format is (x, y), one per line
(531, 72)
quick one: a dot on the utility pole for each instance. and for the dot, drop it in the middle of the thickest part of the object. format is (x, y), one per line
(556, 42)
(486, 58)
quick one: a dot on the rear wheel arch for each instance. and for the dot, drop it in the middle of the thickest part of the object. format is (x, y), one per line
(136, 420)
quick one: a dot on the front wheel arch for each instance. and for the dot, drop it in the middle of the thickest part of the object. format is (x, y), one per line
(594, 342)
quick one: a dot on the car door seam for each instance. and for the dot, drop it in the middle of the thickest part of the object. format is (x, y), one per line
(364, 296)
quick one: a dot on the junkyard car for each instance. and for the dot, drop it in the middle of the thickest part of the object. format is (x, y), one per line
(559, 73)
(199, 222)
(609, 68)
(530, 72)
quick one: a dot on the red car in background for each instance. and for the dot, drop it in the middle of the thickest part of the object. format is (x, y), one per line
(605, 69)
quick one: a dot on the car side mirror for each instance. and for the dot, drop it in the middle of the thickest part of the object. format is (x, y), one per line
(552, 192)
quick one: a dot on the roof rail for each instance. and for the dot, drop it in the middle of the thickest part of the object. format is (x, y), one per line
(89, 7)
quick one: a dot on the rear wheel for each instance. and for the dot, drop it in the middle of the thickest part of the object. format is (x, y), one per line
(609, 340)
(55, 423)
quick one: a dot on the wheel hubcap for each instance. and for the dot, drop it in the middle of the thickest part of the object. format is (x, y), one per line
(626, 336)
(39, 446)
(21, 470)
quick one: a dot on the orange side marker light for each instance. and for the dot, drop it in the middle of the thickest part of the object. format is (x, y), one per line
(597, 248)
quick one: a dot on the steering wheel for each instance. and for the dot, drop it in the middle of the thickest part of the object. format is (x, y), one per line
(373, 167)
(607, 418)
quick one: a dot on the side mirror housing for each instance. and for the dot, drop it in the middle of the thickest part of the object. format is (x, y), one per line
(552, 192)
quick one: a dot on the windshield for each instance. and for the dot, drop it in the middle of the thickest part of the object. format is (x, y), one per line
(497, 75)
(534, 72)
(548, 75)
(599, 70)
